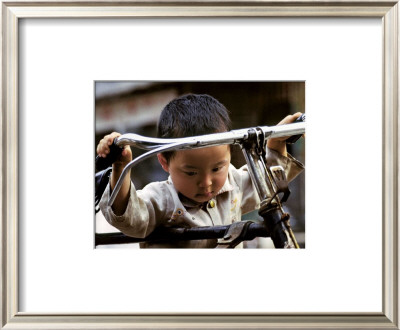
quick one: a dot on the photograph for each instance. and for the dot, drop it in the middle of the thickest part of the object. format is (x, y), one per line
(242, 188)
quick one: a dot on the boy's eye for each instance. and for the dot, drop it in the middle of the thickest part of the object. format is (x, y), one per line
(190, 173)
(216, 169)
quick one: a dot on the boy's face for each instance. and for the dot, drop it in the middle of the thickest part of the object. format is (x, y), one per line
(199, 174)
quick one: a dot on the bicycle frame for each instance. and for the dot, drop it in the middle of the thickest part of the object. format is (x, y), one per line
(269, 182)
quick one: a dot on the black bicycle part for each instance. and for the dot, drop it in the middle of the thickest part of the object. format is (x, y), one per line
(235, 234)
(275, 226)
(294, 138)
(162, 234)
(100, 183)
(115, 153)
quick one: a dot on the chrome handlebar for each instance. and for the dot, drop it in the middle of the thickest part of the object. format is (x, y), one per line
(157, 145)
(209, 140)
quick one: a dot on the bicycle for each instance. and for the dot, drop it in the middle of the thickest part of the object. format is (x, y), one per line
(270, 182)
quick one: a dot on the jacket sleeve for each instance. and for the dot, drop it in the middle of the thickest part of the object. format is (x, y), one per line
(291, 165)
(250, 199)
(145, 210)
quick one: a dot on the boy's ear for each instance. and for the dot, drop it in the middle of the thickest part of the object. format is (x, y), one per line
(163, 162)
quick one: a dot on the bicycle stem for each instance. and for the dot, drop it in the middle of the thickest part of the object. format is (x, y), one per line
(275, 219)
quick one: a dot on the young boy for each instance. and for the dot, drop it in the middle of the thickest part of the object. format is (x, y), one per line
(203, 188)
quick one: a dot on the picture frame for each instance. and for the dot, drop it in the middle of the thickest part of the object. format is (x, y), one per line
(13, 11)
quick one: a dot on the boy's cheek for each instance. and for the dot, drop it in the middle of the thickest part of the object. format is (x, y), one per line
(182, 182)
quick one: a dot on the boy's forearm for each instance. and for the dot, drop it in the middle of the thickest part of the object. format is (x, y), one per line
(121, 201)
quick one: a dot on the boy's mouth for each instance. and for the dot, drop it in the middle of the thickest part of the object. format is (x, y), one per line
(206, 195)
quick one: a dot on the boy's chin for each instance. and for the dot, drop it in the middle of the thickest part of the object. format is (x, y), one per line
(199, 198)
(203, 198)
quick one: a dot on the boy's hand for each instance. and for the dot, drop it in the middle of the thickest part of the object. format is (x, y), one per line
(279, 144)
(103, 149)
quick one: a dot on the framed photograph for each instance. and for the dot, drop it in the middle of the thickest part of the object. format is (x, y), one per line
(344, 53)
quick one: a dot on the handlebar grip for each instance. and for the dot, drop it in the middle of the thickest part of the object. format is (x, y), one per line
(103, 163)
(294, 138)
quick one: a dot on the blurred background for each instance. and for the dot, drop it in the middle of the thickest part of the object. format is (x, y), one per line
(134, 107)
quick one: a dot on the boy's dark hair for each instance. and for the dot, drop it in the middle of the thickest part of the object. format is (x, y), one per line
(191, 115)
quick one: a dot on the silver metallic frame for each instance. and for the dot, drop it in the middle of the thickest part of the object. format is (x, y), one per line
(13, 10)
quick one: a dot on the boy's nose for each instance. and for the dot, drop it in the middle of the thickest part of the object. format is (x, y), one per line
(205, 181)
